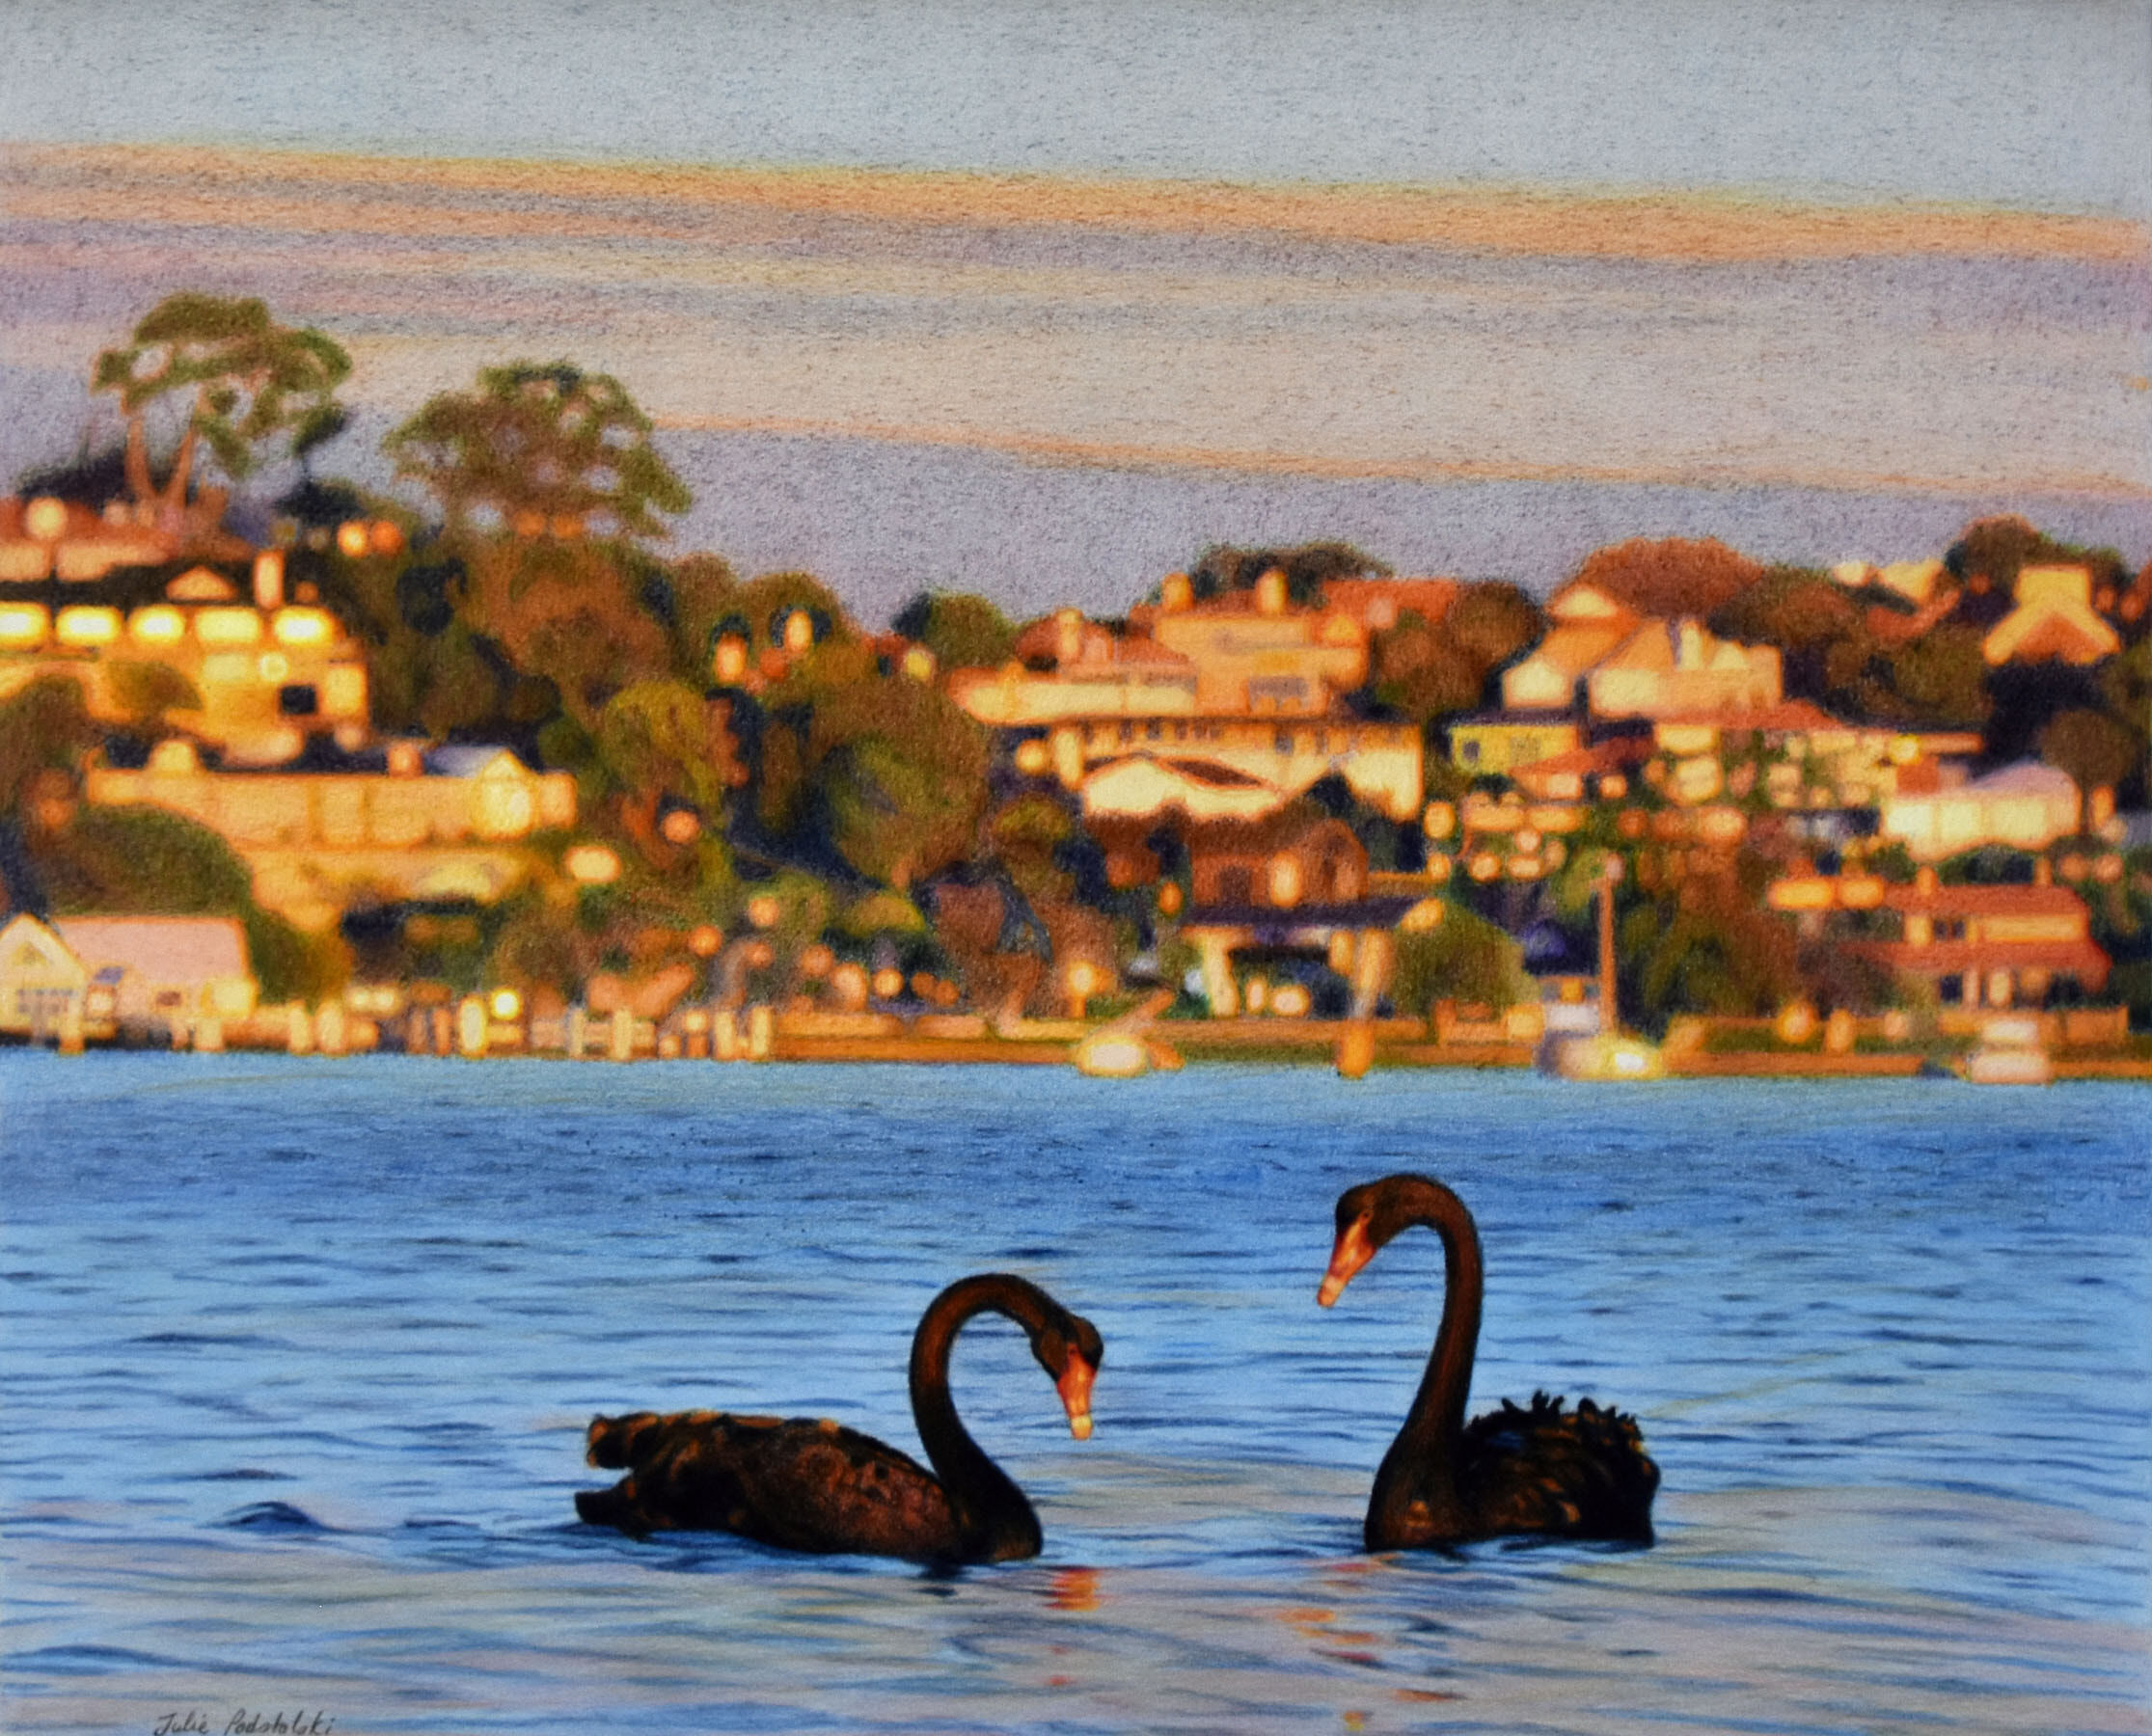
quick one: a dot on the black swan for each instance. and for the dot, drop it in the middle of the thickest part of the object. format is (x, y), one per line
(818, 1487)
(1542, 1472)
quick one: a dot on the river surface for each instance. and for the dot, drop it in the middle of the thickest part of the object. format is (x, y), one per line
(297, 1356)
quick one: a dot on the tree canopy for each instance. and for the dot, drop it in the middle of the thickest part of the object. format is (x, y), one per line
(1669, 576)
(540, 448)
(250, 377)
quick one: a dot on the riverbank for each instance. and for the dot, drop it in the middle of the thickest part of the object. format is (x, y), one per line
(1695, 1049)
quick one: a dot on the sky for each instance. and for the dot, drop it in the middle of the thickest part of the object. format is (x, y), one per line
(1478, 287)
(2039, 103)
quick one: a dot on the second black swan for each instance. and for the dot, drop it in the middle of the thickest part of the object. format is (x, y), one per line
(1542, 1471)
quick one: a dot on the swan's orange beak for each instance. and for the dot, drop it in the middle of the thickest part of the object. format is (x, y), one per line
(1352, 1252)
(1074, 1388)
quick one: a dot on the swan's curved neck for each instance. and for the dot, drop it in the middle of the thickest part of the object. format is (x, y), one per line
(1421, 1465)
(992, 1515)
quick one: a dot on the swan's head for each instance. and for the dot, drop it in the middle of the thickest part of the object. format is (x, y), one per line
(1354, 1247)
(1367, 1216)
(1071, 1349)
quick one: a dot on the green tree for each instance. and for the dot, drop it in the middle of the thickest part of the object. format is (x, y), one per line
(1224, 567)
(1671, 575)
(44, 727)
(964, 632)
(1941, 677)
(2097, 751)
(1464, 958)
(541, 447)
(249, 379)
(901, 770)
(660, 740)
(552, 487)
(1423, 671)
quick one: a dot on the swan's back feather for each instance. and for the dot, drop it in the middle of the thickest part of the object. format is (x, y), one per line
(797, 1483)
(1548, 1471)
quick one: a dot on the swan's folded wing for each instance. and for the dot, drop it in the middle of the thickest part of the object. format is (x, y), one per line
(1554, 1472)
(821, 1487)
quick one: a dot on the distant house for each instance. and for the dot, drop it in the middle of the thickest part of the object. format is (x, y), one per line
(1144, 788)
(49, 539)
(1295, 856)
(421, 822)
(1285, 895)
(1500, 742)
(1994, 946)
(2054, 618)
(1551, 677)
(1666, 668)
(43, 984)
(2027, 806)
(172, 970)
(268, 677)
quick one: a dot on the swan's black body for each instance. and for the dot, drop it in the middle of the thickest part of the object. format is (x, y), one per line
(824, 1490)
(1542, 1471)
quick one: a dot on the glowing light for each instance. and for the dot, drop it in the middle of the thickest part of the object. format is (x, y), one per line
(507, 1004)
(274, 665)
(1033, 757)
(730, 662)
(227, 626)
(304, 626)
(764, 911)
(23, 624)
(799, 631)
(918, 663)
(888, 984)
(592, 865)
(704, 941)
(159, 625)
(385, 537)
(680, 826)
(353, 539)
(86, 626)
(46, 519)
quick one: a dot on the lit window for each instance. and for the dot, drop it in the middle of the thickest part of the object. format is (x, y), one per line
(304, 627)
(227, 626)
(161, 625)
(88, 626)
(22, 624)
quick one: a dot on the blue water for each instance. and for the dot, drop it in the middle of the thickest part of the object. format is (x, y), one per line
(297, 1356)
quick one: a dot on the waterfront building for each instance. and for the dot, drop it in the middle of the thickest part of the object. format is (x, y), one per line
(1287, 898)
(43, 984)
(178, 973)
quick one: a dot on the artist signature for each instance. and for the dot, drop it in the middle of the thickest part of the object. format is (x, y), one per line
(196, 1722)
